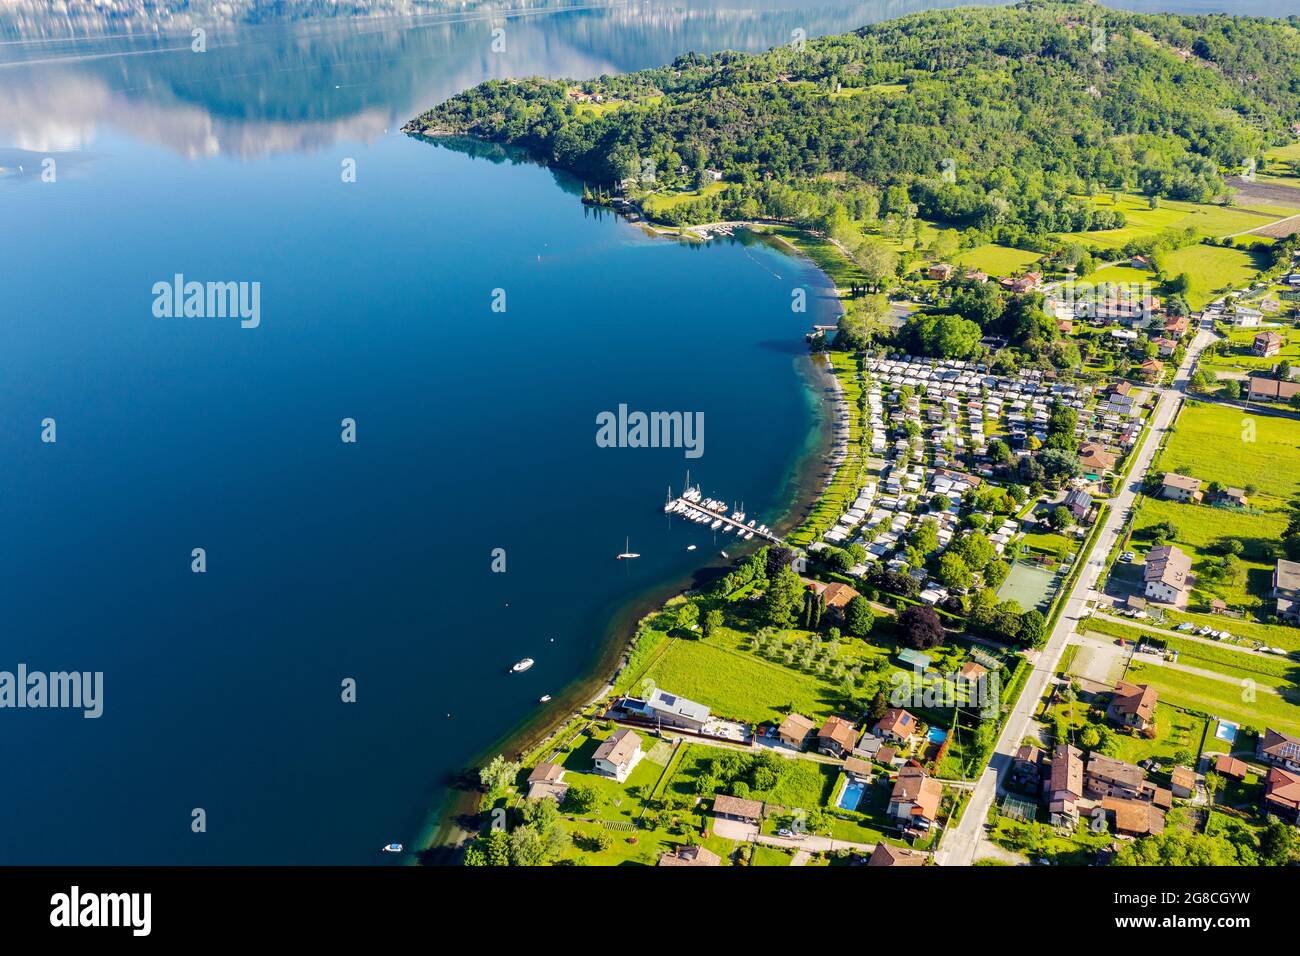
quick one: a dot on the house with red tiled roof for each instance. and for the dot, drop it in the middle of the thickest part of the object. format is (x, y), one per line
(896, 724)
(915, 798)
(1282, 793)
(836, 737)
(1133, 705)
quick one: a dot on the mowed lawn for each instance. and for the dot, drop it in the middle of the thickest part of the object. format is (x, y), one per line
(740, 684)
(998, 260)
(1224, 444)
(1219, 698)
(660, 202)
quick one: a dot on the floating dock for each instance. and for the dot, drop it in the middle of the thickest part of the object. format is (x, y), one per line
(692, 505)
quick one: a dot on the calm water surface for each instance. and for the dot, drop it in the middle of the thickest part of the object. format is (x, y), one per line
(475, 429)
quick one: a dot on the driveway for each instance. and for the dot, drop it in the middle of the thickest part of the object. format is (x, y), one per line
(748, 833)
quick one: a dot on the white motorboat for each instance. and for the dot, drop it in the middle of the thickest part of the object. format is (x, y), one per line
(521, 666)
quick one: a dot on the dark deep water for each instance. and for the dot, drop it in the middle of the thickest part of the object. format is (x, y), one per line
(475, 428)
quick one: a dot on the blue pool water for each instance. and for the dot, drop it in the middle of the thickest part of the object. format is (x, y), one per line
(937, 735)
(851, 795)
(1226, 731)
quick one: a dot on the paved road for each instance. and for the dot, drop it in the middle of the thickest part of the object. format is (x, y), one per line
(1188, 635)
(959, 845)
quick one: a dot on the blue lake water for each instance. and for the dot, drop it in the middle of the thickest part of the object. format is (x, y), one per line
(329, 561)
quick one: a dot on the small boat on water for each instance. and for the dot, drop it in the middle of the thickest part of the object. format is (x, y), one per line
(724, 554)
(544, 699)
(392, 848)
(522, 666)
(716, 525)
(690, 547)
(627, 554)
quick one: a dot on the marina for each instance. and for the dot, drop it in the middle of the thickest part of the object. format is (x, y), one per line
(719, 516)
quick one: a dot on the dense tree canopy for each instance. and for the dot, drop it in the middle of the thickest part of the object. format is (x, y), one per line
(997, 118)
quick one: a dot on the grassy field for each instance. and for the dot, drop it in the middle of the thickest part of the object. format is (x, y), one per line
(1176, 732)
(998, 260)
(1238, 356)
(741, 685)
(1215, 443)
(1213, 270)
(801, 784)
(1144, 222)
(1120, 274)
(1203, 530)
(1218, 698)
(657, 203)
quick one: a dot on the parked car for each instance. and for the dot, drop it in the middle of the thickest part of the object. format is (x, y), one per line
(1128, 557)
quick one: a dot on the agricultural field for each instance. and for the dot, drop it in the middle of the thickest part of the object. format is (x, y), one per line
(1144, 222)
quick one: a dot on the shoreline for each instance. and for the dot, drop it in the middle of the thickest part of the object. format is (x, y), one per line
(441, 835)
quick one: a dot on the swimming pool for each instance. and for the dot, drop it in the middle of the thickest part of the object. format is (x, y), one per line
(851, 795)
(937, 735)
(1226, 731)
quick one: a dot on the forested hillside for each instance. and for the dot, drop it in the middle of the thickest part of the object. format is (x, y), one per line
(993, 118)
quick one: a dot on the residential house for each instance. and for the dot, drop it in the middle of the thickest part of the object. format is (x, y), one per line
(1026, 769)
(896, 724)
(940, 272)
(837, 596)
(1231, 766)
(1164, 347)
(857, 769)
(547, 780)
(1134, 818)
(1151, 370)
(836, 737)
(1244, 317)
(690, 856)
(1079, 503)
(795, 731)
(1266, 344)
(1178, 487)
(1065, 785)
(974, 275)
(1286, 589)
(915, 798)
(887, 855)
(1133, 706)
(1167, 575)
(669, 710)
(1264, 389)
(735, 808)
(1182, 782)
(1108, 777)
(617, 755)
(1282, 794)
(1095, 459)
(1176, 325)
(1279, 749)
(1232, 497)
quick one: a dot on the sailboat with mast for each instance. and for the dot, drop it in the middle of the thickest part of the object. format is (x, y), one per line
(628, 553)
